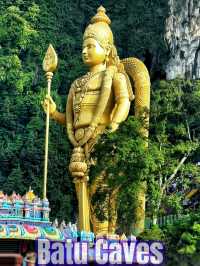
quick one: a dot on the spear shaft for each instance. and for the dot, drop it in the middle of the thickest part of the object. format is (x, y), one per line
(49, 76)
(49, 65)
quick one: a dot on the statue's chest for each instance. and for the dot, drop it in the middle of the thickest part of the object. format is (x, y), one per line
(86, 91)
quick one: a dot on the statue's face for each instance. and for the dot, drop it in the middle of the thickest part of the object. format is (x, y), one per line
(92, 53)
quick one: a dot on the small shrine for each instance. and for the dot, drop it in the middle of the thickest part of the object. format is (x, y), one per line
(23, 209)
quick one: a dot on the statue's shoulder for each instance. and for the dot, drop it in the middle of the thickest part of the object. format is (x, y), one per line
(119, 77)
(77, 83)
(80, 81)
(122, 83)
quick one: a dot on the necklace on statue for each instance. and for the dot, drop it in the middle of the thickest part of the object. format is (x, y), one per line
(80, 86)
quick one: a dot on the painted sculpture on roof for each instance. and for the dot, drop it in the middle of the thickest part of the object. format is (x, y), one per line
(29, 207)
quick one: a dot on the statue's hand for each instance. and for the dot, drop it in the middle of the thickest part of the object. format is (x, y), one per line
(112, 127)
(71, 137)
(52, 105)
(88, 134)
(73, 140)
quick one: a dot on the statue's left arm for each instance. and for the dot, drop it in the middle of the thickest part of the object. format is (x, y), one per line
(122, 101)
(103, 100)
(104, 96)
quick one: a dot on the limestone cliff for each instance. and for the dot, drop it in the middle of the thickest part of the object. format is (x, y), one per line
(182, 34)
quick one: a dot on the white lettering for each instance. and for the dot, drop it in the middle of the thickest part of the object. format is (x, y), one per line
(128, 252)
(68, 247)
(57, 256)
(115, 256)
(81, 253)
(100, 256)
(156, 249)
(43, 251)
(142, 253)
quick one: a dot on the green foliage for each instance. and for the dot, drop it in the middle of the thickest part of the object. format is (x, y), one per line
(173, 203)
(174, 132)
(155, 233)
(121, 155)
(127, 162)
(22, 120)
(17, 36)
(183, 240)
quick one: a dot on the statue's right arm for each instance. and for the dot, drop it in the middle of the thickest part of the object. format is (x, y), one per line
(70, 118)
(59, 117)
(69, 108)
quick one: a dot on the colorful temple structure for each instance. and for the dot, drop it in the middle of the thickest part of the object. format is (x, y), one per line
(27, 218)
(28, 208)
(24, 219)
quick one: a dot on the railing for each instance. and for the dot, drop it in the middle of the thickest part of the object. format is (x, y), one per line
(165, 220)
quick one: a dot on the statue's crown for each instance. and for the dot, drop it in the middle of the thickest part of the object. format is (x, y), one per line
(99, 28)
(101, 16)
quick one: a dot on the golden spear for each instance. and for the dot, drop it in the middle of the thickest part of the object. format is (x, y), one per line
(49, 66)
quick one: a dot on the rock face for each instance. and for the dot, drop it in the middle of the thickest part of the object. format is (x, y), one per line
(182, 35)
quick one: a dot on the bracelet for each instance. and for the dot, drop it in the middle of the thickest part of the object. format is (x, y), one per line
(69, 126)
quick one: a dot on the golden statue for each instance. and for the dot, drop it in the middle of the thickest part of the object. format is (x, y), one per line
(98, 100)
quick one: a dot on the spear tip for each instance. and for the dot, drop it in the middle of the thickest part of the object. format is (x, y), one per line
(50, 61)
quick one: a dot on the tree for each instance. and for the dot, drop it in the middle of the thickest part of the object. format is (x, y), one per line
(174, 138)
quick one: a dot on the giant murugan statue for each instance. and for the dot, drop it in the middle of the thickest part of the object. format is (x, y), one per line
(98, 100)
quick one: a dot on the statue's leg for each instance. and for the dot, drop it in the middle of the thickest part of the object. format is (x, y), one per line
(99, 203)
(78, 168)
(83, 205)
(98, 191)
(103, 206)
